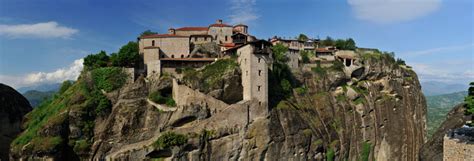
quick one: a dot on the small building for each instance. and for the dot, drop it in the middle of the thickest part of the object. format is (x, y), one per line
(347, 57)
(325, 54)
(295, 47)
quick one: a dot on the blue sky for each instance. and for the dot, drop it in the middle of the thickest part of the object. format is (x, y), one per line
(42, 41)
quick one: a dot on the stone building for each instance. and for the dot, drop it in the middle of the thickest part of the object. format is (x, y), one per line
(325, 54)
(294, 49)
(255, 59)
(458, 145)
(166, 52)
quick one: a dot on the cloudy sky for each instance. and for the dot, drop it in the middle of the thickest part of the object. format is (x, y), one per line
(43, 41)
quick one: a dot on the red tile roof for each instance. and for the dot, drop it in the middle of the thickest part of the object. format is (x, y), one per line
(220, 25)
(228, 45)
(162, 36)
(192, 29)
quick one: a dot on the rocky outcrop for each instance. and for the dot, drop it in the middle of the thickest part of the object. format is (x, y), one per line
(432, 150)
(375, 114)
(13, 107)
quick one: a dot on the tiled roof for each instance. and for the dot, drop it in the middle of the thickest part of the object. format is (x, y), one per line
(228, 45)
(240, 25)
(201, 35)
(162, 36)
(219, 25)
(192, 29)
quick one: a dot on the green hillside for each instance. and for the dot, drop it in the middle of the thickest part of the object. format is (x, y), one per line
(439, 106)
(36, 97)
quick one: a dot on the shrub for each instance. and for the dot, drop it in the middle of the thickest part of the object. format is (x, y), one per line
(127, 56)
(366, 148)
(170, 139)
(160, 99)
(109, 78)
(330, 154)
(304, 56)
(301, 90)
(81, 146)
(64, 86)
(286, 86)
(100, 59)
(170, 102)
(400, 61)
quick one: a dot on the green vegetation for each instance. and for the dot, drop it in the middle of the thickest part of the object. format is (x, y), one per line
(109, 78)
(342, 44)
(301, 90)
(65, 86)
(330, 154)
(98, 60)
(81, 146)
(303, 37)
(147, 32)
(170, 139)
(212, 75)
(469, 101)
(280, 78)
(305, 56)
(366, 148)
(439, 106)
(157, 97)
(126, 57)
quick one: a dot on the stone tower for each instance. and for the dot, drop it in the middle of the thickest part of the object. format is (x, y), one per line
(255, 60)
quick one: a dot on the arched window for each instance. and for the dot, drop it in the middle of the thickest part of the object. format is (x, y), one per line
(172, 56)
(259, 60)
(152, 42)
(259, 72)
(182, 56)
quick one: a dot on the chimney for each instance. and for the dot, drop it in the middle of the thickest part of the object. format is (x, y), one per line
(172, 31)
(219, 21)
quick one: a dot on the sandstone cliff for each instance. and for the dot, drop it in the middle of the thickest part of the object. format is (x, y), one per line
(13, 106)
(376, 112)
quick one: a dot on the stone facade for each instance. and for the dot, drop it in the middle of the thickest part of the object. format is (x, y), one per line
(458, 144)
(255, 60)
(295, 47)
(456, 150)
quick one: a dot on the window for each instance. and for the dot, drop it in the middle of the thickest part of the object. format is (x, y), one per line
(172, 56)
(205, 38)
(259, 60)
(195, 39)
(245, 60)
(259, 72)
(226, 38)
(182, 56)
(152, 42)
(215, 37)
(258, 88)
(246, 73)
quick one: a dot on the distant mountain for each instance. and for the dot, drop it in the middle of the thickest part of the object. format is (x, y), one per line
(41, 88)
(439, 106)
(36, 97)
(432, 88)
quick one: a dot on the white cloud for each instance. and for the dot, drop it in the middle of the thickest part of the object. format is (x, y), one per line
(243, 11)
(42, 30)
(57, 76)
(392, 11)
(438, 50)
(440, 73)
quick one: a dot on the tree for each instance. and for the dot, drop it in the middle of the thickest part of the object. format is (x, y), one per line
(127, 56)
(64, 86)
(304, 56)
(350, 44)
(279, 52)
(328, 42)
(100, 59)
(303, 37)
(147, 32)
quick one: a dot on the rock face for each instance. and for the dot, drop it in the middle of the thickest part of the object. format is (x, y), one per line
(432, 150)
(13, 107)
(379, 114)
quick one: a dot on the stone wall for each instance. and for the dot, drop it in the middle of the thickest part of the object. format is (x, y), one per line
(183, 95)
(221, 33)
(171, 47)
(455, 150)
(294, 56)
